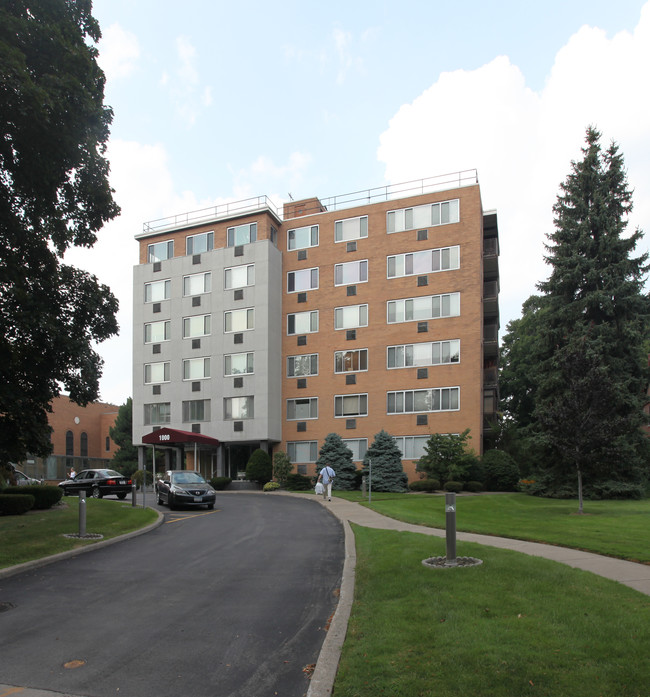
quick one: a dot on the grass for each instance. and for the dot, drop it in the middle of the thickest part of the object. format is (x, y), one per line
(612, 528)
(513, 626)
(41, 533)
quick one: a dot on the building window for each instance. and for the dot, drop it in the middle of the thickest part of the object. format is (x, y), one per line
(302, 322)
(155, 373)
(108, 444)
(357, 447)
(411, 447)
(242, 234)
(429, 215)
(302, 366)
(69, 443)
(159, 251)
(196, 368)
(305, 279)
(350, 273)
(238, 364)
(347, 405)
(194, 327)
(302, 451)
(197, 283)
(155, 332)
(351, 229)
(413, 401)
(423, 308)
(429, 261)
(428, 353)
(239, 320)
(197, 244)
(239, 276)
(83, 444)
(196, 410)
(157, 291)
(353, 361)
(302, 237)
(157, 413)
(238, 408)
(302, 409)
(351, 317)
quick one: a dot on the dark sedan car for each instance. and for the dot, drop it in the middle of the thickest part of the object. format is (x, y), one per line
(99, 483)
(185, 488)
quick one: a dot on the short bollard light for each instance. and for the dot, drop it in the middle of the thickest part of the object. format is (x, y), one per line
(133, 496)
(450, 527)
(451, 561)
(82, 512)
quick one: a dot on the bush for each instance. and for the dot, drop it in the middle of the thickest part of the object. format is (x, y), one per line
(271, 486)
(474, 487)
(45, 495)
(259, 468)
(16, 504)
(298, 482)
(427, 485)
(501, 471)
(454, 486)
(282, 467)
(138, 477)
(220, 483)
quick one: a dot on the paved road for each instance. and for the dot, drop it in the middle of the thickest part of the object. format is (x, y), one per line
(226, 603)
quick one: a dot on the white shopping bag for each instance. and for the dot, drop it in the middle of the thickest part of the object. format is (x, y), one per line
(319, 488)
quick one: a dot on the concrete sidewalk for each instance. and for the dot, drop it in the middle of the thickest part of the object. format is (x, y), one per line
(636, 576)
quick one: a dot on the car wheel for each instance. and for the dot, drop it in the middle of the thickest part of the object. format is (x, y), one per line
(97, 494)
(121, 496)
(170, 502)
(210, 506)
(160, 501)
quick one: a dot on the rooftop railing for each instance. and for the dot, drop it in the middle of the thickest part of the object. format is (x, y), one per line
(453, 180)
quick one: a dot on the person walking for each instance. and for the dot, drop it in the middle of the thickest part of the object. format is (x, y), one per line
(327, 475)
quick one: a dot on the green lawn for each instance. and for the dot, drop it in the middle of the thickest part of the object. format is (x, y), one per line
(613, 528)
(515, 625)
(41, 533)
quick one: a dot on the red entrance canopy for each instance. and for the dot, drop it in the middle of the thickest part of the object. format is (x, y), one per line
(172, 436)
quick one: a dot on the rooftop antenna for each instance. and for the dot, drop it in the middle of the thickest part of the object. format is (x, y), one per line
(290, 196)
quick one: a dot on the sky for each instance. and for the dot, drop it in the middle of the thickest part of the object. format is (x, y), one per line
(216, 101)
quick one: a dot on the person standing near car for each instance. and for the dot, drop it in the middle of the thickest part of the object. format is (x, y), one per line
(73, 474)
(326, 476)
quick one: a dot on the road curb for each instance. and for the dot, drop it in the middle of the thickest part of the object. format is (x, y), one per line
(44, 561)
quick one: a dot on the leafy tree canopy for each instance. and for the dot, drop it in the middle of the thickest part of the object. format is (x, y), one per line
(54, 193)
(125, 459)
(445, 457)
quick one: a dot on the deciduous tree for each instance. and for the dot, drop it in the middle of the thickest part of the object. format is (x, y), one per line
(54, 193)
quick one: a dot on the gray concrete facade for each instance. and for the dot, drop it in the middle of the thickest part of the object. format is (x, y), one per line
(170, 380)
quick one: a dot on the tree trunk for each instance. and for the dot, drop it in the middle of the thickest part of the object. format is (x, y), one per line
(580, 511)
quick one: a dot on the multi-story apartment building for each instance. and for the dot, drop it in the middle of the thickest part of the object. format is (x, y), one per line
(260, 328)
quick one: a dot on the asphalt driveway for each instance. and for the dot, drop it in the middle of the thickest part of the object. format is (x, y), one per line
(226, 603)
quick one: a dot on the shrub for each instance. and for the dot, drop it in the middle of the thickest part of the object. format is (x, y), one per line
(220, 483)
(501, 471)
(259, 468)
(45, 495)
(138, 477)
(298, 482)
(16, 504)
(454, 486)
(271, 486)
(281, 467)
(474, 487)
(427, 485)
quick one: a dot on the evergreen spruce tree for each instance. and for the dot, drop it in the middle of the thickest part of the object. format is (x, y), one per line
(387, 471)
(335, 453)
(591, 386)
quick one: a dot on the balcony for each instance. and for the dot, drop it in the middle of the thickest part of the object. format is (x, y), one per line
(491, 257)
(491, 299)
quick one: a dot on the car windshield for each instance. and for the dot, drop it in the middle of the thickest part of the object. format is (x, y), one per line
(187, 478)
(110, 473)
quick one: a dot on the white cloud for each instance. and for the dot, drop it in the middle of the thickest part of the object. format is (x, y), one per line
(119, 52)
(183, 83)
(522, 142)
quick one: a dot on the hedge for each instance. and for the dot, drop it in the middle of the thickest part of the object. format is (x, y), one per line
(16, 504)
(45, 495)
